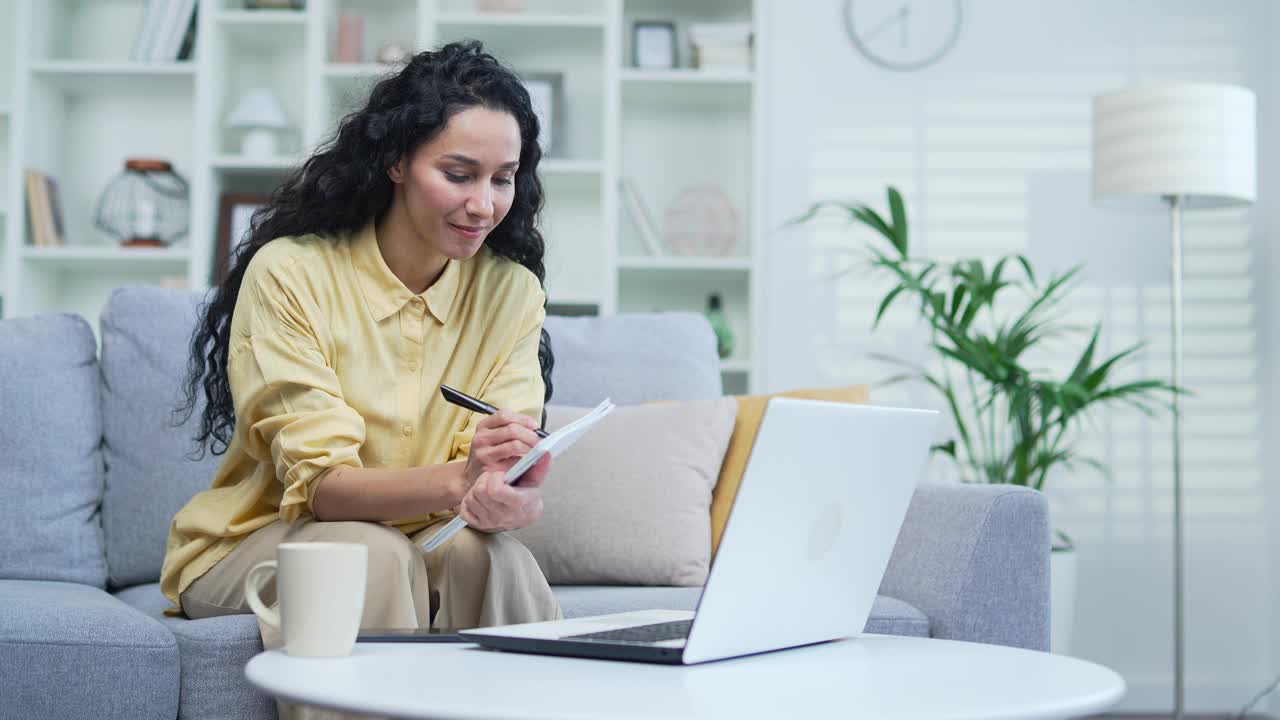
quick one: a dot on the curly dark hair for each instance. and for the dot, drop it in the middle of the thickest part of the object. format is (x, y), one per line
(345, 184)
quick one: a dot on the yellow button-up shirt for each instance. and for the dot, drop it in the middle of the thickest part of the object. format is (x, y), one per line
(333, 361)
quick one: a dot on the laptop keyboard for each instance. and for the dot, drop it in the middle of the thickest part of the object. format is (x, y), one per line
(656, 632)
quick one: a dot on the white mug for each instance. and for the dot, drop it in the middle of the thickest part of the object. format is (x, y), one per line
(319, 592)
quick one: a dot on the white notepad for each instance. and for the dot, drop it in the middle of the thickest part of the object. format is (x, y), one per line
(553, 444)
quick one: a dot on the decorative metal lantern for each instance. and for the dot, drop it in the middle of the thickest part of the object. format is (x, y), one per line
(144, 206)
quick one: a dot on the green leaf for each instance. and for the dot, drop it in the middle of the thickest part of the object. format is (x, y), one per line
(870, 218)
(1026, 266)
(816, 208)
(957, 298)
(884, 304)
(1079, 373)
(895, 379)
(898, 213)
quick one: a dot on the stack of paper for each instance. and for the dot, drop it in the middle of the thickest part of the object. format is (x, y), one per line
(553, 444)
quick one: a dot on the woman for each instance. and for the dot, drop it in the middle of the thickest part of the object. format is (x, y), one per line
(403, 255)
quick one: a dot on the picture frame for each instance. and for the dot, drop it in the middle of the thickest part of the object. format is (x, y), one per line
(546, 92)
(235, 211)
(653, 44)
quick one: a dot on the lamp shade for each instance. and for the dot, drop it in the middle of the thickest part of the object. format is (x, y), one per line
(260, 108)
(1193, 140)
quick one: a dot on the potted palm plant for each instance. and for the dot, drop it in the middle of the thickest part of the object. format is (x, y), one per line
(1013, 423)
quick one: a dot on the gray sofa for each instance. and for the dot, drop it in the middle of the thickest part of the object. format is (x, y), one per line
(91, 472)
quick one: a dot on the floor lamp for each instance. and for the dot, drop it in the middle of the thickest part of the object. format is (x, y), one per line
(1179, 146)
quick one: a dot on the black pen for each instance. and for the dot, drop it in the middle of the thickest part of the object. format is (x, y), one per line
(457, 397)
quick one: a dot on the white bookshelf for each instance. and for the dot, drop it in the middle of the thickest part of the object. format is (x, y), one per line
(69, 257)
(73, 105)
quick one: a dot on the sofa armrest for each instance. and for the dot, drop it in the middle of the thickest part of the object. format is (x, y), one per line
(975, 560)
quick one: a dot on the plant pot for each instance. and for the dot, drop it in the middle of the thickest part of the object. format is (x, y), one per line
(1062, 596)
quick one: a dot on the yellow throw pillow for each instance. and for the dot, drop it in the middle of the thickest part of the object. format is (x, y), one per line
(750, 414)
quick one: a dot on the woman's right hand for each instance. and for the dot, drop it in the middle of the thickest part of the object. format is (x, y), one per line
(501, 439)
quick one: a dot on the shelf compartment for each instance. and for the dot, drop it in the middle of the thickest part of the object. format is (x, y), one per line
(262, 30)
(67, 143)
(572, 227)
(259, 55)
(643, 291)
(85, 30)
(383, 22)
(109, 78)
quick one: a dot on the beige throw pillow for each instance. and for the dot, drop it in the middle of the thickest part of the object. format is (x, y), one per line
(629, 504)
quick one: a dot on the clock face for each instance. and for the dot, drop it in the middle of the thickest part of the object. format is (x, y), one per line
(902, 34)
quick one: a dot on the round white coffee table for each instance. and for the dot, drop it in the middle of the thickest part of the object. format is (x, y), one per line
(873, 676)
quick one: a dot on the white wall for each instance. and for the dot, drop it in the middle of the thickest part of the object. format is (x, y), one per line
(991, 147)
(1268, 182)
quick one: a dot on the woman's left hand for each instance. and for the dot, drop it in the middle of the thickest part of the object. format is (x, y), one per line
(491, 505)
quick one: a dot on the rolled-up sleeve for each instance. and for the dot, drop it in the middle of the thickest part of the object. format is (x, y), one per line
(515, 382)
(287, 396)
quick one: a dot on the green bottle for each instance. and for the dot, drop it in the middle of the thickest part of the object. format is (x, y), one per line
(720, 323)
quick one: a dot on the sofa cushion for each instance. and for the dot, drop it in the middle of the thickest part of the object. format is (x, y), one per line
(149, 471)
(629, 504)
(633, 358)
(50, 456)
(213, 653)
(586, 600)
(70, 650)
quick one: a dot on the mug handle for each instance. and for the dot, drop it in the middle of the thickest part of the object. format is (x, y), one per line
(252, 584)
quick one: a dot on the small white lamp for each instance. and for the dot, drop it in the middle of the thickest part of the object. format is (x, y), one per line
(1175, 146)
(261, 115)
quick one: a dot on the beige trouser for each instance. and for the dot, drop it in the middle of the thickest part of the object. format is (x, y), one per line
(475, 580)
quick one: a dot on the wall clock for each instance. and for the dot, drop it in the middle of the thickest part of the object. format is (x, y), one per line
(903, 34)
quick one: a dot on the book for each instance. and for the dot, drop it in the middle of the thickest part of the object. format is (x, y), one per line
(39, 215)
(58, 233)
(553, 444)
(145, 35)
(171, 29)
(187, 50)
(640, 216)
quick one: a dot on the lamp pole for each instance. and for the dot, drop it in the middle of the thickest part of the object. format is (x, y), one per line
(1175, 212)
(1171, 145)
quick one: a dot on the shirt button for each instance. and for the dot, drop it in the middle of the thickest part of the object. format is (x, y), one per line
(408, 430)
(413, 367)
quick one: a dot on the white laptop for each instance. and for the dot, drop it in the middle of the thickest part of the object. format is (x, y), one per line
(801, 559)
